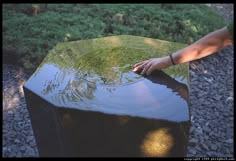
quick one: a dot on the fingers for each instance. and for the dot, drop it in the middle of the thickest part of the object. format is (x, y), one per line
(146, 68)
(140, 63)
(150, 69)
(139, 66)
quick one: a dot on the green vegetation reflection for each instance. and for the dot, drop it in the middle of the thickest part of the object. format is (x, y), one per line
(109, 59)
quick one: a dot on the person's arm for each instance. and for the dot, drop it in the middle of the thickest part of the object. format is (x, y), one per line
(207, 45)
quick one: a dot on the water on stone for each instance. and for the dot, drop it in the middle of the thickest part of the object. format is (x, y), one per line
(96, 75)
(102, 107)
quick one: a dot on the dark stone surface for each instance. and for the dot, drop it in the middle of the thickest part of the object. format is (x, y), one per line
(76, 113)
(78, 133)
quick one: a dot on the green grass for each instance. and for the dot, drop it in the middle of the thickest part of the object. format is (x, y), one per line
(29, 38)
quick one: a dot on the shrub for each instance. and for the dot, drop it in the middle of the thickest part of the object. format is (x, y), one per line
(29, 38)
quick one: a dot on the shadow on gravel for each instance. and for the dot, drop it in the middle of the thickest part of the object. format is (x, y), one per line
(18, 138)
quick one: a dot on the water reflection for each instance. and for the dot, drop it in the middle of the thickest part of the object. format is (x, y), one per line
(96, 76)
(157, 96)
(112, 57)
(161, 77)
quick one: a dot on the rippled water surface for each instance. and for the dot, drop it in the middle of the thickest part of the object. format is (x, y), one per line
(102, 79)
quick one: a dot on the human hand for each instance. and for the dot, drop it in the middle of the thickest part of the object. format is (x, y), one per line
(147, 66)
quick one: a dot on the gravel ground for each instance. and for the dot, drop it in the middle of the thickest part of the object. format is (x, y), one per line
(18, 137)
(211, 106)
(211, 101)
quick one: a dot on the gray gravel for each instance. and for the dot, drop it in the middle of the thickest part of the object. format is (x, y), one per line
(18, 137)
(211, 101)
(211, 106)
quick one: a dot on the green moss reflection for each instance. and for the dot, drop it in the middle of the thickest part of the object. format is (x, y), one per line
(111, 57)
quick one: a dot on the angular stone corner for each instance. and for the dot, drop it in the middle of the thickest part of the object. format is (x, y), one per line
(84, 100)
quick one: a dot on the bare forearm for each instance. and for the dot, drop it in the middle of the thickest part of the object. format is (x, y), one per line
(207, 45)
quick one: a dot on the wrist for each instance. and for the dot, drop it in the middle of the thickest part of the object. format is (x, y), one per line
(167, 61)
(172, 60)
